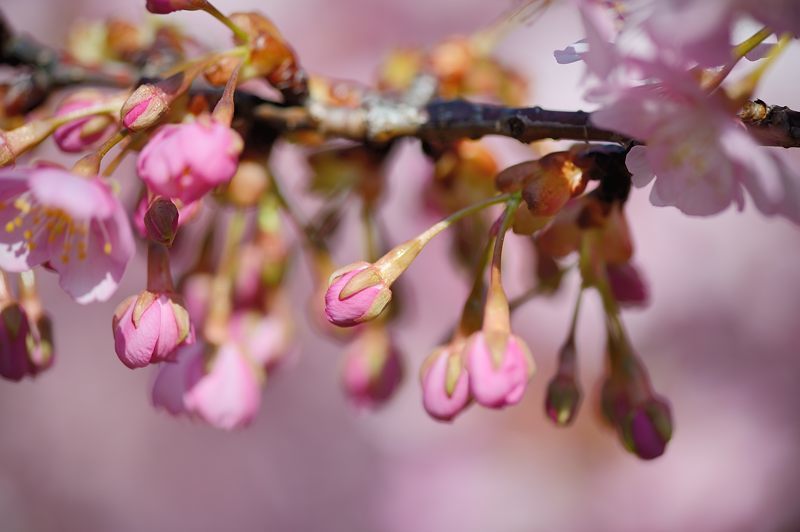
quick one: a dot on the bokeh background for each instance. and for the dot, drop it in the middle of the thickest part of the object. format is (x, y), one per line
(81, 449)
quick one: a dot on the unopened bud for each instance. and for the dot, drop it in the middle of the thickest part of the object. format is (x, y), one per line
(144, 108)
(648, 429)
(162, 7)
(553, 183)
(563, 399)
(161, 221)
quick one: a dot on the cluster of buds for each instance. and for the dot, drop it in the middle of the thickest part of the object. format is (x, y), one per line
(216, 335)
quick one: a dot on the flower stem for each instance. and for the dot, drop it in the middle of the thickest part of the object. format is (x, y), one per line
(237, 31)
(437, 228)
(496, 314)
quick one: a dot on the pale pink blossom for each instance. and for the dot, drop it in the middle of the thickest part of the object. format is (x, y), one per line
(187, 161)
(358, 307)
(445, 382)
(499, 366)
(74, 224)
(228, 395)
(173, 378)
(149, 328)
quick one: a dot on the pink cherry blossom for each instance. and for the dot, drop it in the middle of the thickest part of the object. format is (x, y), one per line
(265, 338)
(83, 133)
(186, 161)
(149, 328)
(228, 395)
(498, 383)
(74, 224)
(442, 398)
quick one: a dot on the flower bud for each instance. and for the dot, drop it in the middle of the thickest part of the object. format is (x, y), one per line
(445, 382)
(81, 134)
(41, 354)
(563, 399)
(171, 380)
(627, 285)
(363, 302)
(186, 213)
(499, 365)
(162, 7)
(648, 429)
(553, 182)
(150, 327)
(161, 221)
(265, 338)
(145, 107)
(372, 368)
(14, 332)
(228, 395)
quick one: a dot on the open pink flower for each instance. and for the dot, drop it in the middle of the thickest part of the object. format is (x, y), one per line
(74, 224)
(498, 379)
(83, 133)
(149, 328)
(228, 395)
(362, 306)
(445, 382)
(186, 161)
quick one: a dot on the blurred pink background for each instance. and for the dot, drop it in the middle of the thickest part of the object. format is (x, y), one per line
(82, 449)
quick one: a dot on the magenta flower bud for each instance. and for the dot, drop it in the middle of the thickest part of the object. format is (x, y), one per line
(499, 365)
(627, 285)
(363, 305)
(187, 161)
(648, 429)
(445, 382)
(563, 399)
(14, 332)
(83, 133)
(150, 327)
(372, 368)
(145, 107)
(162, 7)
(228, 395)
(161, 221)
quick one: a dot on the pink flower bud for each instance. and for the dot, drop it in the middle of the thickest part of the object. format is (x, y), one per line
(228, 395)
(161, 221)
(364, 305)
(83, 133)
(186, 161)
(149, 328)
(144, 108)
(172, 379)
(14, 332)
(499, 366)
(445, 382)
(162, 7)
(372, 368)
